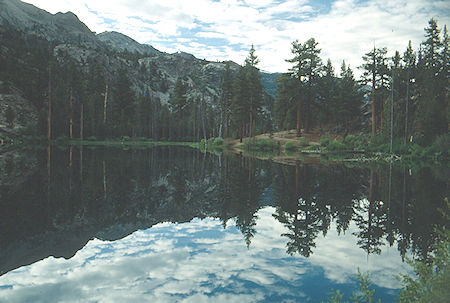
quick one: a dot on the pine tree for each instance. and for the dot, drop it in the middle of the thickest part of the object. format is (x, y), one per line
(375, 71)
(349, 98)
(327, 94)
(297, 71)
(123, 105)
(239, 111)
(312, 67)
(409, 58)
(284, 107)
(254, 86)
(226, 98)
(432, 45)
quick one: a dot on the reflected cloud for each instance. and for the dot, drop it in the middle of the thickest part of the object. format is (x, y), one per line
(197, 261)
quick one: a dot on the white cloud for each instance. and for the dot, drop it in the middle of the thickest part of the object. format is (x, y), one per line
(345, 32)
(197, 261)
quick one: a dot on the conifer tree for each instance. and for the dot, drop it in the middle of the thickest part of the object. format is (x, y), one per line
(254, 86)
(297, 71)
(312, 67)
(226, 98)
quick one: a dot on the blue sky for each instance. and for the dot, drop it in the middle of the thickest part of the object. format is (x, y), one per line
(199, 261)
(226, 29)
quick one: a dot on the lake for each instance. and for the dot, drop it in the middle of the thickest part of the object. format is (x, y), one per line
(171, 224)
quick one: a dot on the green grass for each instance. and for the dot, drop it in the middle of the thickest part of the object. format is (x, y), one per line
(128, 143)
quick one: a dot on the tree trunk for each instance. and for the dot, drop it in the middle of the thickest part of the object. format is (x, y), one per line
(407, 109)
(203, 114)
(49, 114)
(251, 122)
(221, 124)
(299, 105)
(82, 121)
(308, 106)
(392, 112)
(105, 103)
(71, 116)
(374, 127)
(242, 132)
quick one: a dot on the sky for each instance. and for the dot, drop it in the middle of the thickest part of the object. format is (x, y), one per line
(200, 261)
(225, 29)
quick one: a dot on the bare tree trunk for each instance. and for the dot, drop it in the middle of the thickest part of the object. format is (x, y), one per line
(70, 167)
(221, 124)
(374, 127)
(71, 116)
(203, 121)
(104, 180)
(407, 109)
(105, 103)
(392, 111)
(299, 106)
(49, 114)
(251, 122)
(82, 122)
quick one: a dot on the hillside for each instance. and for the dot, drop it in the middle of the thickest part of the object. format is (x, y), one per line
(32, 39)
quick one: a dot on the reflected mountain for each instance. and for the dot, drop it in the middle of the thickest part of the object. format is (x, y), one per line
(67, 197)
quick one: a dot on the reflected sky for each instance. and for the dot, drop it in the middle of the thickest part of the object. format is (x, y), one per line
(200, 261)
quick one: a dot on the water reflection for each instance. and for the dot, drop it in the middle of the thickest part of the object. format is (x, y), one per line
(198, 261)
(56, 206)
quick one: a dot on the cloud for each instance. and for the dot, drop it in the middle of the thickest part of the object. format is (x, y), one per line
(345, 29)
(197, 261)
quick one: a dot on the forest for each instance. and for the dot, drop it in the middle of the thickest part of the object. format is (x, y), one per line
(406, 94)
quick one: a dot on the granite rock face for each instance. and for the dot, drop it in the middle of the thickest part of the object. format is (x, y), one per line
(16, 112)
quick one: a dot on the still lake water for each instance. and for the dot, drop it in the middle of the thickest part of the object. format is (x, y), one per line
(171, 224)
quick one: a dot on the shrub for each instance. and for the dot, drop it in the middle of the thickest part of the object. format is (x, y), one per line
(92, 138)
(336, 146)
(290, 146)
(378, 140)
(349, 141)
(442, 143)
(303, 142)
(218, 141)
(261, 145)
(125, 138)
(324, 141)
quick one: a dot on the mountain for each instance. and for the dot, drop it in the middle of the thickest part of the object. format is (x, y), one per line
(64, 27)
(121, 43)
(33, 42)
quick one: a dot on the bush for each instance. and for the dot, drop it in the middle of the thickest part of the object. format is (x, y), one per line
(336, 146)
(261, 145)
(290, 146)
(324, 141)
(218, 141)
(92, 138)
(350, 141)
(303, 142)
(442, 144)
(378, 140)
(125, 138)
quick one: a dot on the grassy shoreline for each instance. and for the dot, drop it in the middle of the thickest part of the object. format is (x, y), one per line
(282, 147)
